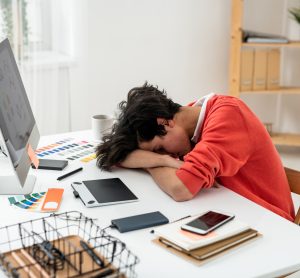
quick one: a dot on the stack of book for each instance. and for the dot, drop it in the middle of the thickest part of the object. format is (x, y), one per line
(258, 37)
(202, 247)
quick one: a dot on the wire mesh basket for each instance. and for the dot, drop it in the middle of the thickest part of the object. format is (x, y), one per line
(63, 245)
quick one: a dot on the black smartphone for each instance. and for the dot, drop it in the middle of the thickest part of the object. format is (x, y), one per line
(51, 164)
(207, 222)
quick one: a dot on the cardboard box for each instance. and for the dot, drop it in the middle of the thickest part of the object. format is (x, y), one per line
(273, 69)
(247, 63)
(260, 70)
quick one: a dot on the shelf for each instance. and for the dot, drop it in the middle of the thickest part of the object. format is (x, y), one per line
(236, 47)
(286, 139)
(283, 90)
(289, 44)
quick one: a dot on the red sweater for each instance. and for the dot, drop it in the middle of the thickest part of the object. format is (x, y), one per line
(235, 149)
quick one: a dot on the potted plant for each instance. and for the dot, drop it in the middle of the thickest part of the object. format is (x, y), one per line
(295, 12)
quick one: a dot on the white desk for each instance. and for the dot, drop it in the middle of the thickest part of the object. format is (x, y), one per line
(275, 254)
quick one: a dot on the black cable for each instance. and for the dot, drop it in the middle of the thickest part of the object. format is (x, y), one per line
(1, 151)
(47, 255)
(112, 226)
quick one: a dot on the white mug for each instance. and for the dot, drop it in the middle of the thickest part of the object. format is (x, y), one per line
(101, 124)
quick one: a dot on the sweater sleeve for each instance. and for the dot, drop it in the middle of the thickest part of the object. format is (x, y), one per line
(223, 149)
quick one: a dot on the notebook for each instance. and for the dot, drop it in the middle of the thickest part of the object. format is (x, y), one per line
(210, 250)
(189, 241)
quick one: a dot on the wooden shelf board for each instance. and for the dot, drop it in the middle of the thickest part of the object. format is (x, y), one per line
(283, 90)
(289, 44)
(286, 139)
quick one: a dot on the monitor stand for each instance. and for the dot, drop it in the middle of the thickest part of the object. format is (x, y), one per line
(10, 185)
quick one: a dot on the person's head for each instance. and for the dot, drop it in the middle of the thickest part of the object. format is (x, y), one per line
(146, 121)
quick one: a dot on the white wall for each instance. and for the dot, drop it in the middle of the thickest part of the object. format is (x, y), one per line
(180, 45)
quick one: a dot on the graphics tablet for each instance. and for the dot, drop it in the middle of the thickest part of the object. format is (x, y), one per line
(103, 192)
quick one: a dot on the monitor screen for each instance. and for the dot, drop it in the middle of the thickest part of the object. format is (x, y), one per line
(17, 123)
(16, 118)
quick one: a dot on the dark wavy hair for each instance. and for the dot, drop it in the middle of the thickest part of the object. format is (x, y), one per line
(137, 122)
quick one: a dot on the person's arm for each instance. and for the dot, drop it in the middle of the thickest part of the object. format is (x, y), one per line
(162, 168)
(147, 159)
(168, 181)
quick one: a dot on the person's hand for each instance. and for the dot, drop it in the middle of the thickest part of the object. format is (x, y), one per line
(172, 162)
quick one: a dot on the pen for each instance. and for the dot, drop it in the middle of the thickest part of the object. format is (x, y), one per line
(152, 231)
(92, 254)
(69, 174)
(181, 218)
(103, 273)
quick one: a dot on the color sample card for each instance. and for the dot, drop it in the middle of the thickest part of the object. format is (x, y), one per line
(52, 200)
(69, 149)
(29, 201)
(89, 158)
(32, 156)
(41, 201)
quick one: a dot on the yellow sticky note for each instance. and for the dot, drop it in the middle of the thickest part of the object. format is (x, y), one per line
(32, 156)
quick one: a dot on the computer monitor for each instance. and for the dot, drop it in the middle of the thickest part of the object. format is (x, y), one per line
(18, 128)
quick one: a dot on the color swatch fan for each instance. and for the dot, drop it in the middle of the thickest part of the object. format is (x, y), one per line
(41, 202)
(29, 201)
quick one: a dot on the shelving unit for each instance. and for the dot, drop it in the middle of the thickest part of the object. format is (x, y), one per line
(235, 63)
(289, 44)
(282, 90)
(286, 139)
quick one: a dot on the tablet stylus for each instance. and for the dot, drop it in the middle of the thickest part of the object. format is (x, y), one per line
(69, 174)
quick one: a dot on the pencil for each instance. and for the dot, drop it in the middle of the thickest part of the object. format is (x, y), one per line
(69, 174)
